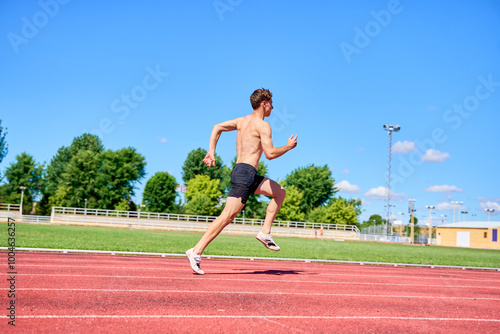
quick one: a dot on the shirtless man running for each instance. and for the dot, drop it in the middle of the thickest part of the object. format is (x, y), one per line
(253, 138)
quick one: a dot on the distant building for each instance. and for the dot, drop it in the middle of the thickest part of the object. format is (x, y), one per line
(469, 234)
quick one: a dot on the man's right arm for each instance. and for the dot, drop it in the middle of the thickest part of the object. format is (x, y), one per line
(270, 151)
(230, 125)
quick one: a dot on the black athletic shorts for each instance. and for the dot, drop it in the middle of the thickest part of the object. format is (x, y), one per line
(245, 181)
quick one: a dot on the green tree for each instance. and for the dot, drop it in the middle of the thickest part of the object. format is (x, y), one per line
(3, 143)
(316, 183)
(373, 220)
(194, 165)
(59, 162)
(3, 149)
(84, 170)
(119, 172)
(319, 215)
(23, 172)
(203, 195)
(339, 211)
(343, 212)
(290, 209)
(159, 193)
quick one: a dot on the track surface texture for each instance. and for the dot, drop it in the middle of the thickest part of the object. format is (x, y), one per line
(88, 293)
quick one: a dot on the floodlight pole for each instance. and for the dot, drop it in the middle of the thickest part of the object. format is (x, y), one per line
(430, 207)
(22, 197)
(411, 210)
(402, 214)
(464, 213)
(489, 212)
(389, 129)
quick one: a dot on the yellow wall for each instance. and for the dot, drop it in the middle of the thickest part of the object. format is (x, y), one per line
(477, 239)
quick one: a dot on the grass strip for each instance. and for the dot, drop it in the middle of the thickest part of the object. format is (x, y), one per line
(113, 239)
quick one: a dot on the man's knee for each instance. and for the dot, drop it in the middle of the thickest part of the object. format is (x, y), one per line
(229, 213)
(281, 193)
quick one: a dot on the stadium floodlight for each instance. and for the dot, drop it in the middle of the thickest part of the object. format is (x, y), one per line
(489, 212)
(430, 207)
(389, 129)
(443, 216)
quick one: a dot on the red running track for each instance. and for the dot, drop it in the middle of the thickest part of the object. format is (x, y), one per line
(76, 293)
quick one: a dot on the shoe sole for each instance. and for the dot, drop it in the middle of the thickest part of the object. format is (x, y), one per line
(193, 263)
(264, 242)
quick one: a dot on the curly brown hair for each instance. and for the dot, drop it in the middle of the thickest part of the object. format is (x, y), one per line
(258, 96)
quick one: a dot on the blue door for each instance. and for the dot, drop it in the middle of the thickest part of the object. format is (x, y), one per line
(495, 232)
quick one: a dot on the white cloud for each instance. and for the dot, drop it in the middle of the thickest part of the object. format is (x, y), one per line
(380, 193)
(491, 205)
(403, 147)
(163, 140)
(443, 189)
(445, 206)
(346, 187)
(488, 199)
(345, 171)
(435, 156)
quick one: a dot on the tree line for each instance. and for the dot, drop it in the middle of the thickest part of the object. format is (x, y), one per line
(85, 174)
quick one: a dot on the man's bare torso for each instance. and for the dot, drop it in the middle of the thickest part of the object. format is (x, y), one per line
(248, 140)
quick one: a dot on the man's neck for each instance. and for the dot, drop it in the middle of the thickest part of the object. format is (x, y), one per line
(259, 113)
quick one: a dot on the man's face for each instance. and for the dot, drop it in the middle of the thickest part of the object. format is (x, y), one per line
(268, 106)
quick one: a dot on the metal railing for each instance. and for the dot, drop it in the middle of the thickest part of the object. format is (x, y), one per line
(100, 213)
(9, 207)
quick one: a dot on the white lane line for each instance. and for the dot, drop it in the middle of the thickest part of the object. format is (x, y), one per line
(288, 328)
(196, 316)
(254, 269)
(257, 293)
(244, 279)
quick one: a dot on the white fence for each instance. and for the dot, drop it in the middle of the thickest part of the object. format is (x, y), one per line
(394, 238)
(9, 207)
(181, 222)
(98, 213)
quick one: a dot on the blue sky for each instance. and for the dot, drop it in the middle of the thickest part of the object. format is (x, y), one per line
(157, 75)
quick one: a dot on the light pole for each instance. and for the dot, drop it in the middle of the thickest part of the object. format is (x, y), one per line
(459, 208)
(389, 129)
(411, 203)
(464, 213)
(22, 197)
(454, 204)
(401, 228)
(430, 207)
(489, 212)
(443, 216)
(388, 222)
(85, 206)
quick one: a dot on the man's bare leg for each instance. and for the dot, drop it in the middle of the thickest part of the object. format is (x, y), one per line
(271, 188)
(232, 208)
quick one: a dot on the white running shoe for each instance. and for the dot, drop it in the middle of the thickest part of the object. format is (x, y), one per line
(194, 260)
(267, 241)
